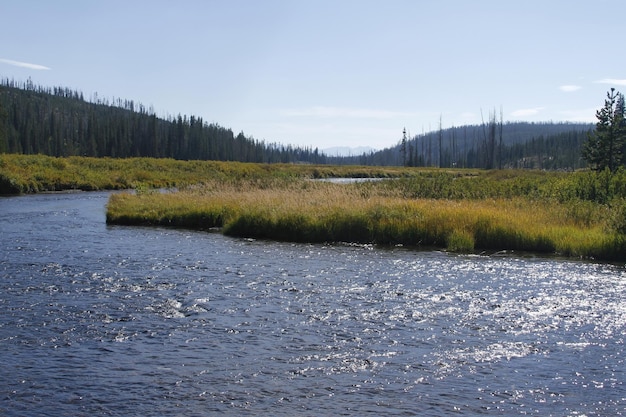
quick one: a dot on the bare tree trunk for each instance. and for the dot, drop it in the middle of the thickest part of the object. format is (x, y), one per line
(440, 142)
(500, 145)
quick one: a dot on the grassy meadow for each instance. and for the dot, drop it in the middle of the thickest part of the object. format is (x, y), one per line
(23, 174)
(576, 214)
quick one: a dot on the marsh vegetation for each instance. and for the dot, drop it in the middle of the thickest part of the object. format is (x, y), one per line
(22, 174)
(571, 214)
(578, 214)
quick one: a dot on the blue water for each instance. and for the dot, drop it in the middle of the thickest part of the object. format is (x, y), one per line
(118, 321)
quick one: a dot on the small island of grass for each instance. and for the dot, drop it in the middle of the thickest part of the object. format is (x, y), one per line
(459, 211)
(575, 214)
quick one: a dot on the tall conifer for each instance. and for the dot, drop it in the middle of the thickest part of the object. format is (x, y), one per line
(604, 148)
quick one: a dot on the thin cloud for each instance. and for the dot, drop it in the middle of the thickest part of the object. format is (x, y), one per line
(468, 118)
(569, 88)
(614, 81)
(24, 64)
(342, 112)
(579, 115)
(330, 128)
(526, 112)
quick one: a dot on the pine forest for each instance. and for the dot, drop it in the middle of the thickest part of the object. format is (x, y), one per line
(59, 121)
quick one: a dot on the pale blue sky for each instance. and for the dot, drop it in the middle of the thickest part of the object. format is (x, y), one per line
(326, 73)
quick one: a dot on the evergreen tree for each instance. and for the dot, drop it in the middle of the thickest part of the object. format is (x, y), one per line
(605, 146)
(403, 147)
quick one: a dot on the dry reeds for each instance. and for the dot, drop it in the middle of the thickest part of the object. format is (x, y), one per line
(305, 211)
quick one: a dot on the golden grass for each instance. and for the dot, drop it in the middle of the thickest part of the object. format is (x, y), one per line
(307, 211)
(580, 214)
(35, 173)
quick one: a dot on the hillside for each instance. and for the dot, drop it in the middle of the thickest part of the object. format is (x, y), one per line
(61, 122)
(492, 145)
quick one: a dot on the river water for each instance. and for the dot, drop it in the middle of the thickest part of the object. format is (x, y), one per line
(117, 321)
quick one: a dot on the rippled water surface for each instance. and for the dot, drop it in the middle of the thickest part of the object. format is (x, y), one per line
(98, 320)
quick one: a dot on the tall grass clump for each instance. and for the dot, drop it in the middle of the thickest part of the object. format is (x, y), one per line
(305, 211)
(461, 241)
(175, 209)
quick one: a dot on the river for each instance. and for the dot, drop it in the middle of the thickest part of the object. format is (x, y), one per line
(118, 321)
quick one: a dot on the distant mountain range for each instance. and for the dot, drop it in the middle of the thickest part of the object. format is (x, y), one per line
(347, 151)
(544, 145)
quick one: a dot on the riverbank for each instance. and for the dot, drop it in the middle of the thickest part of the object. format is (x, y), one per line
(488, 212)
(24, 174)
(581, 214)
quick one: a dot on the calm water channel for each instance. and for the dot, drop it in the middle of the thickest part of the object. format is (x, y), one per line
(118, 321)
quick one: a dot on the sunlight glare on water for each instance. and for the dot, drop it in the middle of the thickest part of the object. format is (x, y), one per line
(146, 321)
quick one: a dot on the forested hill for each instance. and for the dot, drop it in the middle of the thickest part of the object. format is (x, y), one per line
(60, 122)
(490, 145)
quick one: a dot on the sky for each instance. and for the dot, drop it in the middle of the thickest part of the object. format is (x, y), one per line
(326, 73)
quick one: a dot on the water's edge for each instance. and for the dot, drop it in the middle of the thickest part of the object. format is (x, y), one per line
(112, 320)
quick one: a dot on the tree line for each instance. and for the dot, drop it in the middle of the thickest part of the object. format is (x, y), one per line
(59, 121)
(493, 144)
